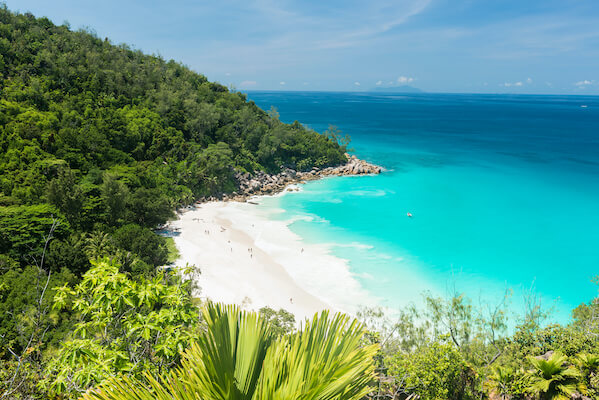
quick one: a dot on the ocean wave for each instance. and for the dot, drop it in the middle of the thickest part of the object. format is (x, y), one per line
(306, 218)
(354, 245)
(363, 275)
(370, 193)
(331, 201)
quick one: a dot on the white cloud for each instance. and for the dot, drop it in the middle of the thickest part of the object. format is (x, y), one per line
(367, 21)
(357, 83)
(344, 25)
(305, 83)
(282, 83)
(227, 74)
(247, 84)
(529, 80)
(510, 84)
(586, 82)
(405, 79)
(379, 83)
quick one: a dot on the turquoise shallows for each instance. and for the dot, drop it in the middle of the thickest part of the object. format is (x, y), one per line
(504, 193)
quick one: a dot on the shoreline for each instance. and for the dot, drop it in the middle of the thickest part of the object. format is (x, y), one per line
(262, 183)
(247, 258)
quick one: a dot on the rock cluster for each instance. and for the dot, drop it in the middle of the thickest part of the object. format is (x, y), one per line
(354, 166)
(262, 183)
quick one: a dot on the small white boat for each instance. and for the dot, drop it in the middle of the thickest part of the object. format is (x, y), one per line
(584, 106)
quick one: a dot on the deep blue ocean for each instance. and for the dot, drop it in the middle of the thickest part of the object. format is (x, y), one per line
(503, 189)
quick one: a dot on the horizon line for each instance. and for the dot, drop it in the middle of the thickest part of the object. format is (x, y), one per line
(416, 93)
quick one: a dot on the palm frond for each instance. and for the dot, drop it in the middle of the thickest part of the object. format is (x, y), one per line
(126, 388)
(237, 358)
(227, 360)
(554, 379)
(323, 361)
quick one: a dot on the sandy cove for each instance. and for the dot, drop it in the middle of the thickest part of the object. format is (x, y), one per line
(246, 258)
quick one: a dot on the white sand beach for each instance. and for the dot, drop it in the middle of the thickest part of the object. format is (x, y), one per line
(246, 258)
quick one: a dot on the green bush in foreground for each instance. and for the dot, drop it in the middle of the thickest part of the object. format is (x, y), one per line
(123, 326)
(239, 357)
(554, 378)
(437, 371)
(588, 364)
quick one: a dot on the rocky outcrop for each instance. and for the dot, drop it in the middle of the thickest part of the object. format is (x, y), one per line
(261, 183)
(354, 166)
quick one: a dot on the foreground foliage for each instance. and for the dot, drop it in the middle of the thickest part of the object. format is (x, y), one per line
(239, 357)
(449, 349)
(122, 326)
(554, 379)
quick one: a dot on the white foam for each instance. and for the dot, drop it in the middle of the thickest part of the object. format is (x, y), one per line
(369, 193)
(354, 245)
(281, 271)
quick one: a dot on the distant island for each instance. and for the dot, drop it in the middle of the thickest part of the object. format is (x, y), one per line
(397, 89)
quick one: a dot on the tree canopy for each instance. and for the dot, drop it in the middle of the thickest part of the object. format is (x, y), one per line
(104, 135)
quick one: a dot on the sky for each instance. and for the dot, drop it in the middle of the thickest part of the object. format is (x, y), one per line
(472, 46)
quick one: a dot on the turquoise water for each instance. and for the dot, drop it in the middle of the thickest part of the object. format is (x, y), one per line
(504, 192)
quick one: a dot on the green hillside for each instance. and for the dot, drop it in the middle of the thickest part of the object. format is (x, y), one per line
(108, 138)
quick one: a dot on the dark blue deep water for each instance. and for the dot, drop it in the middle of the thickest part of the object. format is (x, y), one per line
(504, 191)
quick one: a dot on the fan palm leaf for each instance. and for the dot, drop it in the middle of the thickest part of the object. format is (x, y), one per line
(500, 380)
(553, 379)
(323, 361)
(237, 358)
(227, 360)
(126, 388)
(588, 362)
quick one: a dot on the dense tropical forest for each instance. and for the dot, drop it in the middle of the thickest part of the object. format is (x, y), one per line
(100, 144)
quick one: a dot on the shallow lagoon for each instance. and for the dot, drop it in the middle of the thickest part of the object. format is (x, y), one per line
(504, 192)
